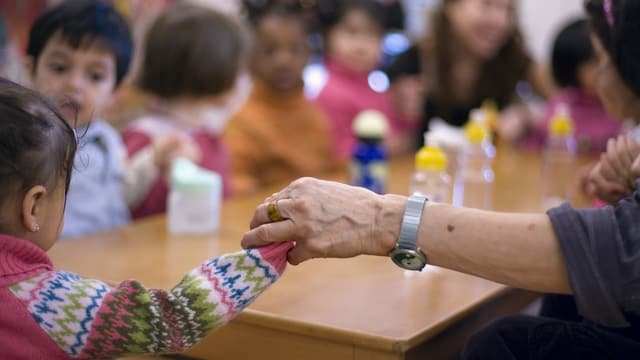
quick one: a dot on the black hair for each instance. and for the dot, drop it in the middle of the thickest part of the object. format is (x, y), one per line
(332, 12)
(3, 42)
(37, 145)
(571, 49)
(3, 33)
(193, 51)
(620, 38)
(256, 10)
(80, 22)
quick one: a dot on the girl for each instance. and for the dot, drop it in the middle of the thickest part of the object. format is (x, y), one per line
(574, 68)
(191, 67)
(53, 314)
(353, 35)
(474, 52)
(277, 118)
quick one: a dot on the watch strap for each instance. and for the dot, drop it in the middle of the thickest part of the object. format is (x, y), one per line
(411, 222)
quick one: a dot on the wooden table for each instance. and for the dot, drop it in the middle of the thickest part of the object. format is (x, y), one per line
(362, 308)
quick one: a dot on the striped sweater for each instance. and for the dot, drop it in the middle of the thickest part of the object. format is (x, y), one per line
(52, 314)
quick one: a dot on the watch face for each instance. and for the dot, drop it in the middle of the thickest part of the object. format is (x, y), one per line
(408, 259)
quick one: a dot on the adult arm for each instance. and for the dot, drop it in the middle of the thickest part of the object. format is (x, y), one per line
(329, 219)
(592, 253)
(540, 79)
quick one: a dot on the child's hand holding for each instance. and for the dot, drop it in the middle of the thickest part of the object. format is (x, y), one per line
(168, 148)
(613, 178)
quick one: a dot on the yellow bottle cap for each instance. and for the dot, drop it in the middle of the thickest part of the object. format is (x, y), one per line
(561, 124)
(476, 132)
(431, 158)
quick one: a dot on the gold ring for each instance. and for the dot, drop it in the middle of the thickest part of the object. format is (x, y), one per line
(273, 212)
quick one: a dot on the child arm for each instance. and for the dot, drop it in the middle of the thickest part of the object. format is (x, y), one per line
(153, 160)
(89, 319)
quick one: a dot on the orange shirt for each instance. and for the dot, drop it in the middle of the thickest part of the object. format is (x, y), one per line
(275, 138)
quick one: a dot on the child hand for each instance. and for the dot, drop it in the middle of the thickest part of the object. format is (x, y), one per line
(613, 178)
(514, 123)
(168, 148)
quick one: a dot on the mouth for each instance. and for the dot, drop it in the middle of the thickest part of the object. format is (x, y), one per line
(70, 108)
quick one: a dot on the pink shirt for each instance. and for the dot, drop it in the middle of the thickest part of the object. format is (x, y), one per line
(20, 336)
(346, 94)
(215, 157)
(593, 126)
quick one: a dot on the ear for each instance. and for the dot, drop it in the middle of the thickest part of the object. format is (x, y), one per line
(32, 204)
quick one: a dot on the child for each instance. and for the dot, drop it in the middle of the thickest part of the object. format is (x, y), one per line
(58, 315)
(192, 61)
(278, 135)
(574, 69)
(354, 31)
(79, 52)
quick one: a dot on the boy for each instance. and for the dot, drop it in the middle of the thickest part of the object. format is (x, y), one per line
(278, 135)
(79, 52)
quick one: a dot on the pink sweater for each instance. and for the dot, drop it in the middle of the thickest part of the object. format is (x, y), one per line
(346, 94)
(49, 314)
(593, 126)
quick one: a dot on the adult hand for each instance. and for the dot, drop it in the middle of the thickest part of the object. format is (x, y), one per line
(328, 219)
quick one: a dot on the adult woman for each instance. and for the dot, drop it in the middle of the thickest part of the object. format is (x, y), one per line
(593, 254)
(474, 52)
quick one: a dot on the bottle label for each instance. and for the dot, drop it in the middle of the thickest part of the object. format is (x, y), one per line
(372, 176)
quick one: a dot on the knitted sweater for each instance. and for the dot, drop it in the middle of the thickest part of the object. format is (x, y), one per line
(52, 314)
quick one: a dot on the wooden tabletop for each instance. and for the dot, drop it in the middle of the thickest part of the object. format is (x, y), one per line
(366, 301)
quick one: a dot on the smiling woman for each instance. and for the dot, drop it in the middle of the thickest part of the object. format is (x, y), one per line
(474, 52)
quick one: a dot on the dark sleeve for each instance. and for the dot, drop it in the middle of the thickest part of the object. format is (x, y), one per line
(602, 253)
(407, 63)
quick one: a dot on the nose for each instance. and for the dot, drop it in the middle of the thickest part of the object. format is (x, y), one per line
(283, 58)
(74, 82)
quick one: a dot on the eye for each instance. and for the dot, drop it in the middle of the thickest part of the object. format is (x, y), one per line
(58, 68)
(96, 76)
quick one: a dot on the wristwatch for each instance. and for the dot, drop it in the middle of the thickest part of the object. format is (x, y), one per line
(407, 254)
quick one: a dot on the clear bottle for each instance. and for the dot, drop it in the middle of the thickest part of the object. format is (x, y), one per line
(195, 199)
(430, 178)
(473, 185)
(369, 159)
(558, 167)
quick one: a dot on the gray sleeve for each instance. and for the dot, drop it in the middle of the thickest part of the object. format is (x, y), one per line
(602, 253)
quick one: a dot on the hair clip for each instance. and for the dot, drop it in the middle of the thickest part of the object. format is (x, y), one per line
(608, 11)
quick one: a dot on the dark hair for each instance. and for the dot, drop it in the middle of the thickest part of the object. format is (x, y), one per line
(619, 39)
(572, 48)
(81, 22)
(192, 51)
(3, 33)
(498, 77)
(37, 145)
(3, 42)
(258, 9)
(332, 12)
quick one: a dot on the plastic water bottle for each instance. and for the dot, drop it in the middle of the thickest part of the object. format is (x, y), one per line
(430, 178)
(195, 199)
(474, 181)
(369, 161)
(558, 167)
